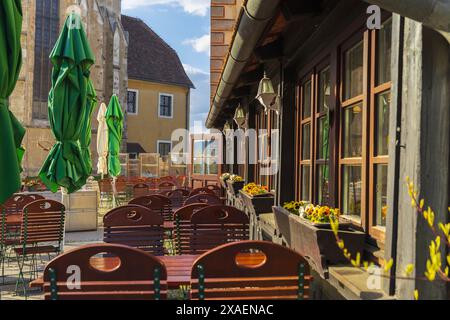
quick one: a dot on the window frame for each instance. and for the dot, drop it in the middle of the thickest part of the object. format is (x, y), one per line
(171, 105)
(334, 57)
(357, 37)
(136, 102)
(158, 142)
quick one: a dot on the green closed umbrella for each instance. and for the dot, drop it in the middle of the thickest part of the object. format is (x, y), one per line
(68, 108)
(114, 120)
(86, 132)
(11, 130)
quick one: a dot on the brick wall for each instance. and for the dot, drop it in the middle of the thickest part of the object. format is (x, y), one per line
(224, 14)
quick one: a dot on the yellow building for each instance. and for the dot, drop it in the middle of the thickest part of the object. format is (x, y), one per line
(158, 91)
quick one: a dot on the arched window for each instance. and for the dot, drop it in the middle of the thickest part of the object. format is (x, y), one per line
(46, 34)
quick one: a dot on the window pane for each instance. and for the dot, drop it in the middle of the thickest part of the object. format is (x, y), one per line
(165, 105)
(306, 142)
(382, 123)
(384, 53)
(323, 195)
(324, 90)
(323, 139)
(131, 102)
(306, 170)
(352, 136)
(381, 172)
(354, 71)
(351, 190)
(307, 100)
(164, 149)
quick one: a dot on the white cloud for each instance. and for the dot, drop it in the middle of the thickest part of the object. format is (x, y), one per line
(193, 71)
(196, 7)
(201, 44)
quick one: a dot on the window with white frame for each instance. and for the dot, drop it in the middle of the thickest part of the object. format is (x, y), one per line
(132, 101)
(165, 105)
(164, 148)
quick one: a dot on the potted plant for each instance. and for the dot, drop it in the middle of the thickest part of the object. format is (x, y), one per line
(223, 180)
(257, 198)
(235, 183)
(306, 228)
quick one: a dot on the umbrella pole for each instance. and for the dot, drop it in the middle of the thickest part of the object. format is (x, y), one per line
(114, 191)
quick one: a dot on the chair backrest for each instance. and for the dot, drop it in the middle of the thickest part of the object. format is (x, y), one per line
(135, 226)
(140, 189)
(166, 185)
(183, 229)
(215, 225)
(210, 199)
(204, 190)
(105, 186)
(216, 189)
(36, 196)
(43, 221)
(17, 202)
(124, 273)
(177, 197)
(251, 270)
(157, 203)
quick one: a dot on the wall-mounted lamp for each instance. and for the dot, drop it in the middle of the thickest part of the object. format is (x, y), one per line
(267, 95)
(240, 117)
(226, 127)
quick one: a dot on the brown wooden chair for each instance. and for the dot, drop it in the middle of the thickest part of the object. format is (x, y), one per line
(183, 230)
(204, 190)
(140, 190)
(123, 273)
(216, 189)
(177, 197)
(106, 192)
(42, 232)
(36, 196)
(166, 185)
(17, 202)
(135, 226)
(156, 203)
(250, 270)
(215, 225)
(210, 199)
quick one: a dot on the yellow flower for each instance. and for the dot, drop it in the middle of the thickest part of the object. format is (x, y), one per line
(409, 269)
(388, 265)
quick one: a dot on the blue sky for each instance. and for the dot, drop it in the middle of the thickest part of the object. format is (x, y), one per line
(185, 26)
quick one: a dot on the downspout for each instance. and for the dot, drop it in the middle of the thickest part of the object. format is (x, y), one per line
(432, 13)
(255, 17)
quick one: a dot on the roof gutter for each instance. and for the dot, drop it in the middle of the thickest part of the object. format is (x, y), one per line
(432, 13)
(254, 19)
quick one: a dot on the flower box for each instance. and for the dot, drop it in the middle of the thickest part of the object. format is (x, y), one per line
(317, 241)
(234, 187)
(258, 204)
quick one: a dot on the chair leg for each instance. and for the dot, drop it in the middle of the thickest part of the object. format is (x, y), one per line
(21, 277)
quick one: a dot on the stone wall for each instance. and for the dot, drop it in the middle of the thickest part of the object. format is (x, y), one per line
(101, 20)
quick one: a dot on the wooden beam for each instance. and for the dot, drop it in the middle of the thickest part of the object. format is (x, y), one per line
(242, 91)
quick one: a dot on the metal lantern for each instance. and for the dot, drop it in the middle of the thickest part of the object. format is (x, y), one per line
(226, 127)
(240, 117)
(267, 95)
